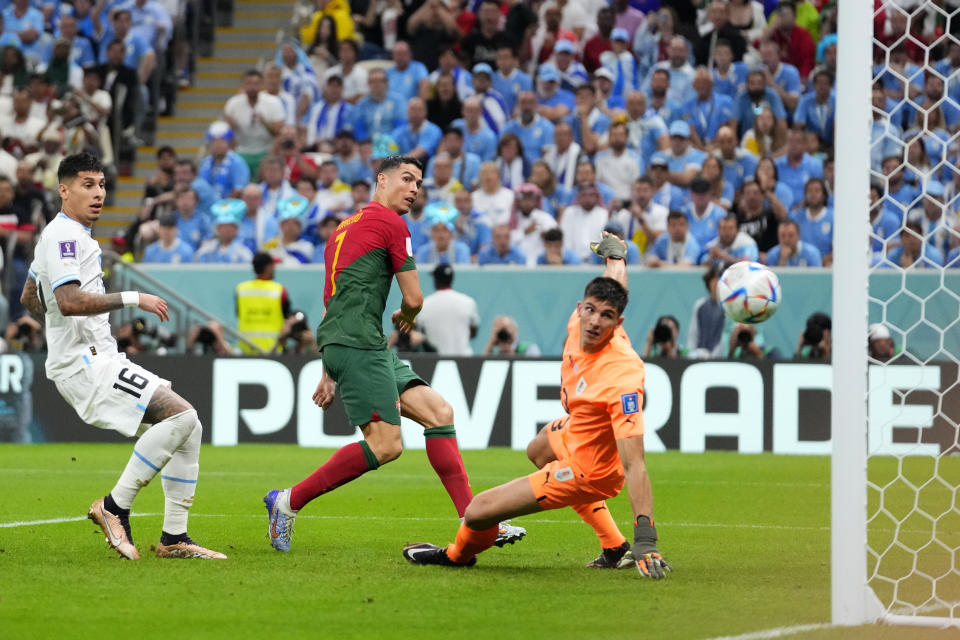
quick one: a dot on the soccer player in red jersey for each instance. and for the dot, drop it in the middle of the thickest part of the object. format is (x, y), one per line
(362, 257)
(588, 455)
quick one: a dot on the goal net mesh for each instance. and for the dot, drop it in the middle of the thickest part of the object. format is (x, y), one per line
(913, 405)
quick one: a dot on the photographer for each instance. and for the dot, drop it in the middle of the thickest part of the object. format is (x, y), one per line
(26, 334)
(296, 329)
(745, 342)
(208, 339)
(503, 340)
(662, 340)
(142, 336)
(413, 341)
(814, 343)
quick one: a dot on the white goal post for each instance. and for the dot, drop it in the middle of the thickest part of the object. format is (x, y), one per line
(880, 583)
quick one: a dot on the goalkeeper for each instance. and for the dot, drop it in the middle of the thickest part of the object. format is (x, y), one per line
(588, 455)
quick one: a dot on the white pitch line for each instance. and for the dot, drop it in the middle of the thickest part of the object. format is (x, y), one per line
(779, 632)
(31, 523)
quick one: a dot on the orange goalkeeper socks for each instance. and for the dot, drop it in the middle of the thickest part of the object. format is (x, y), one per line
(470, 542)
(598, 516)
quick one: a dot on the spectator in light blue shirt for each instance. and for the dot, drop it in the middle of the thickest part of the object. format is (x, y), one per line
(442, 248)
(796, 167)
(703, 214)
(226, 247)
(509, 80)
(750, 101)
(500, 251)
(730, 245)
(193, 226)
(419, 137)
(901, 195)
(729, 77)
(406, 73)
(785, 77)
(815, 219)
(495, 111)
(466, 165)
(151, 21)
(708, 110)
(884, 226)
(223, 169)
(913, 252)
(554, 253)
(572, 73)
(381, 111)
(595, 121)
(660, 104)
(680, 70)
(791, 251)
(677, 246)
(738, 163)
(169, 248)
(683, 160)
(817, 110)
(81, 50)
(478, 139)
(535, 132)
(139, 53)
(559, 103)
(26, 23)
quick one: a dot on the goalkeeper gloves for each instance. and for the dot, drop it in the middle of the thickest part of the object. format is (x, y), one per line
(644, 554)
(610, 247)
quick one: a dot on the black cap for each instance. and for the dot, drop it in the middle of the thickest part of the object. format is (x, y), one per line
(167, 219)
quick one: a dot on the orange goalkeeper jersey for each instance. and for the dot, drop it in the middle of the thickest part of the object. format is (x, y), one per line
(603, 393)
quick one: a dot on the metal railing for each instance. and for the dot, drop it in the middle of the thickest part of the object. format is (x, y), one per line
(184, 314)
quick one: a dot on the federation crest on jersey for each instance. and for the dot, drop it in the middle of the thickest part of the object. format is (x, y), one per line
(630, 402)
(581, 385)
(68, 249)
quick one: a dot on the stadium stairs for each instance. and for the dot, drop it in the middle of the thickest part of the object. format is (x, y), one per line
(248, 42)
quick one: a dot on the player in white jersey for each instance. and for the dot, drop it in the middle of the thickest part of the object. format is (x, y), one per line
(65, 290)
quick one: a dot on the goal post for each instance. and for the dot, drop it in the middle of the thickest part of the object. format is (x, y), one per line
(848, 465)
(895, 492)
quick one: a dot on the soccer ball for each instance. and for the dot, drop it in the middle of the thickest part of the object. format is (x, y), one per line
(749, 292)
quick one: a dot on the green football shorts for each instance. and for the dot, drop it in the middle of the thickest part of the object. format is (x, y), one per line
(370, 382)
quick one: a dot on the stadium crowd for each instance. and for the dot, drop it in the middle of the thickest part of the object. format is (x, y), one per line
(699, 131)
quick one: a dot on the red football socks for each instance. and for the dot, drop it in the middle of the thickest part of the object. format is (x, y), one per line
(598, 516)
(348, 463)
(444, 456)
(470, 542)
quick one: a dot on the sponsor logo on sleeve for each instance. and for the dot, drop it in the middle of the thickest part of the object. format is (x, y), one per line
(68, 249)
(630, 402)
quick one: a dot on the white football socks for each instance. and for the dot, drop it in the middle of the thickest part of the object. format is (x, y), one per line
(178, 436)
(179, 479)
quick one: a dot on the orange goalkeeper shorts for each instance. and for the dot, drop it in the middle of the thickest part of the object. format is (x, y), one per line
(561, 483)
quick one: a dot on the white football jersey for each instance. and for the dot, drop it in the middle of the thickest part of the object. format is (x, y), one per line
(66, 252)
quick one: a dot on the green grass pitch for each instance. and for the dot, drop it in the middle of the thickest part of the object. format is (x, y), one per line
(748, 535)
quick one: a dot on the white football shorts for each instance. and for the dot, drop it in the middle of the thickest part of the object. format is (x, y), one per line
(111, 393)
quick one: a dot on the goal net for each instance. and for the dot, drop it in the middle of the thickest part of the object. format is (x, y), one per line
(896, 545)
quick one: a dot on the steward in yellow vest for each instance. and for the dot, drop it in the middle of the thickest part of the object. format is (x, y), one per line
(262, 305)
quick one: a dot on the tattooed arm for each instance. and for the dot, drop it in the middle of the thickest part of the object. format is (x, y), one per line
(30, 299)
(74, 302)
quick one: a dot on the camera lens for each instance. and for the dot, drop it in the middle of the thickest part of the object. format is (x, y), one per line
(504, 335)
